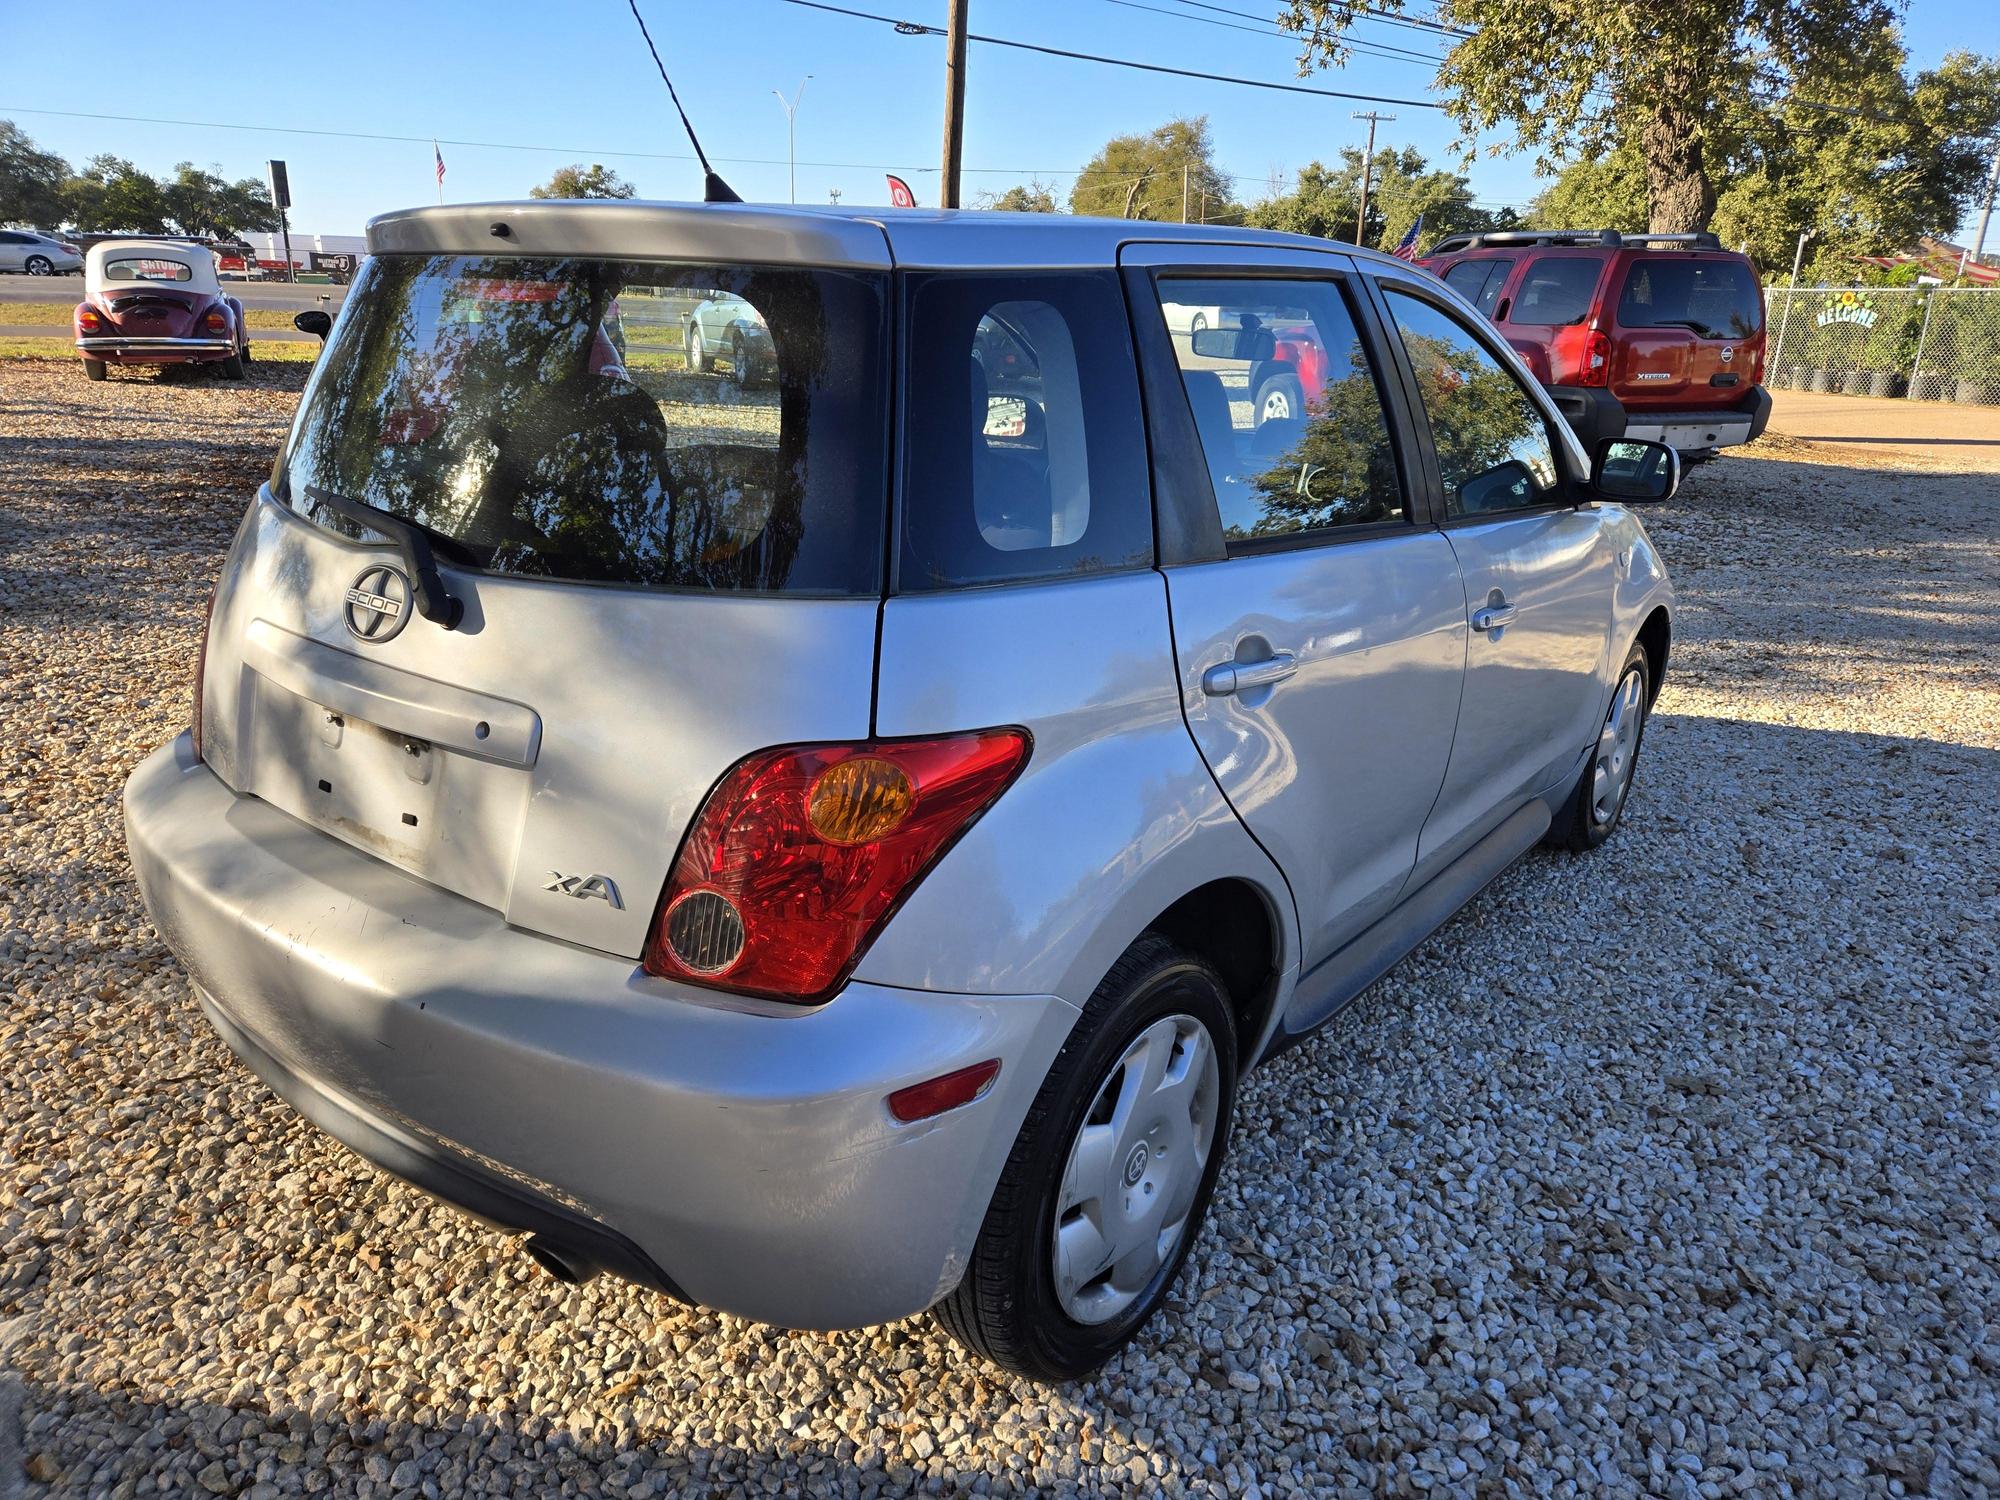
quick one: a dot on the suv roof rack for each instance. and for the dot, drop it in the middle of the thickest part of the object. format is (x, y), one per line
(1608, 238)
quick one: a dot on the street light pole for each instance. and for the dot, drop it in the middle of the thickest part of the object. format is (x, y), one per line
(792, 129)
(1367, 164)
(1798, 258)
(1985, 214)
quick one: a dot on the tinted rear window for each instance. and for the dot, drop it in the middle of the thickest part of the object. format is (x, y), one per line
(1714, 299)
(696, 427)
(1557, 290)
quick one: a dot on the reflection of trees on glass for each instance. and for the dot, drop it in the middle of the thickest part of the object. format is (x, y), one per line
(487, 399)
(1341, 471)
(1480, 417)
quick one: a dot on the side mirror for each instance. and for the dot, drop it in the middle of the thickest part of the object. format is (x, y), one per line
(1636, 470)
(314, 321)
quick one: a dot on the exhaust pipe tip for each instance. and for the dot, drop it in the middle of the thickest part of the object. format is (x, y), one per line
(564, 1264)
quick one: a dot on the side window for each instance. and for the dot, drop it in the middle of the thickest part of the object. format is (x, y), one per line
(1557, 290)
(1479, 281)
(1026, 449)
(1493, 446)
(1286, 406)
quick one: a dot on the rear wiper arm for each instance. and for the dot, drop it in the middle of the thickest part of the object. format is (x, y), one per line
(412, 541)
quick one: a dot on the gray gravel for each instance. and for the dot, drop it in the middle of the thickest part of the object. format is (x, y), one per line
(1670, 1170)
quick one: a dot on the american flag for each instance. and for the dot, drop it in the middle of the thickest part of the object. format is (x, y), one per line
(440, 162)
(1407, 250)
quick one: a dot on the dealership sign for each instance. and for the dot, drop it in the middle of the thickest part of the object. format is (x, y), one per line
(1846, 308)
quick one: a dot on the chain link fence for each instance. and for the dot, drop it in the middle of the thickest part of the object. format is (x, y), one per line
(1926, 343)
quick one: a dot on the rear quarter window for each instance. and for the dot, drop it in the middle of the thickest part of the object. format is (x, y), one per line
(1713, 299)
(1557, 290)
(1025, 448)
(1479, 281)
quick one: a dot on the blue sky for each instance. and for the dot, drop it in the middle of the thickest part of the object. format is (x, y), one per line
(574, 81)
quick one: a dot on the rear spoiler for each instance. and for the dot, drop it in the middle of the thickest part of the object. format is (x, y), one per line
(1609, 239)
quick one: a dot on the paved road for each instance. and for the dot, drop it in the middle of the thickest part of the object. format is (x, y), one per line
(278, 294)
(1966, 437)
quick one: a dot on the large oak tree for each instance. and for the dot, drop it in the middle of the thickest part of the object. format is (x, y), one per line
(1570, 79)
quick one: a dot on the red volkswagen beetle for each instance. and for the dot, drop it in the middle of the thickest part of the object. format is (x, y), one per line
(157, 302)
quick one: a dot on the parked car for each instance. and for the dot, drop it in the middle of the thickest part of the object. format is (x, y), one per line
(615, 815)
(727, 327)
(157, 302)
(32, 254)
(1657, 336)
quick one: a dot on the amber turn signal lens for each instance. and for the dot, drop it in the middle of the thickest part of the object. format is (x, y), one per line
(860, 800)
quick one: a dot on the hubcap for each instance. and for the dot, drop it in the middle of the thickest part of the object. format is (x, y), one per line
(1129, 1184)
(1617, 748)
(1277, 406)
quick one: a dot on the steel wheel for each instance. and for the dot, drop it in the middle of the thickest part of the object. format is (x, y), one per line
(1198, 324)
(696, 359)
(1134, 1168)
(1617, 748)
(1277, 406)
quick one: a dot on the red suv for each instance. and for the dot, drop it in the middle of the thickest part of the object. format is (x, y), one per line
(1656, 336)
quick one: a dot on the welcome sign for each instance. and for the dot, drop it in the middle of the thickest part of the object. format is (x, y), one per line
(1846, 308)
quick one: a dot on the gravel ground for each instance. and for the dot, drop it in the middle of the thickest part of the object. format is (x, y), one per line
(1669, 1170)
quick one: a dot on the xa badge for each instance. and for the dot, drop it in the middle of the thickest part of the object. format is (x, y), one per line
(585, 888)
(378, 605)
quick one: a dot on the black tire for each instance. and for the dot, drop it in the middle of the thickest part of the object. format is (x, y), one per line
(1280, 398)
(739, 372)
(93, 369)
(1006, 1309)
(1582, 824)
(697, 356)
(39, 265)
(246, 351)
(1197, 324)
(232, 367)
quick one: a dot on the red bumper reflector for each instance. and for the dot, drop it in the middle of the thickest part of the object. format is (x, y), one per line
(922, 1100)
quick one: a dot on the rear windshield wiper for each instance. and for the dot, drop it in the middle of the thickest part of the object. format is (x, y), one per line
(413, 541)
(1689, 323)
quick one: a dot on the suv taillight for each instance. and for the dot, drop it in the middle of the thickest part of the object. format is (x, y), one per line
(799, 856)
(1596, 359)
(201, 670)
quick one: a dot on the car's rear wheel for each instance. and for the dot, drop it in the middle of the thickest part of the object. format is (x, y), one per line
(40, 265)
(1197, 324)
(93, 369)
(1110, 1177)
(1598, 801)
(697, 355)
(738, 371)
(1279, 399)
(232, 367)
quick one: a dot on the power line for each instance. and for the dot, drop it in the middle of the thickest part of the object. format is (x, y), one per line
(918, 28)
(1382, 50)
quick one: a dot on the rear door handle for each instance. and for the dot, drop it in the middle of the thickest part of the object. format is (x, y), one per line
(1241, 676)
(1493, 617)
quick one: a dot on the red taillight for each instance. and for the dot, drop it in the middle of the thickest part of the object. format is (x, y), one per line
(1596, 359)
(922, 1100)
(800, 855)
(89, 320)
(216, 320)
(200, 671)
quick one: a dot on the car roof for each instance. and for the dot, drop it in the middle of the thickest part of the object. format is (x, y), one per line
(199, 259)
(877, 238)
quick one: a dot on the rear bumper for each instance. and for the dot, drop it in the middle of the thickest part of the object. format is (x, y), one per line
(1593, 413)
(740, 1155)
(1693, 430)
(154, 350)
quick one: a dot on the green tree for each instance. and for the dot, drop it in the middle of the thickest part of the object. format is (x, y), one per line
(1632, 70)
(1150, 176)
(31, 181)
(202, 203)
(1023, 198)
(579, 181)
(110, 195)
(1402, 188)
(1598, 192)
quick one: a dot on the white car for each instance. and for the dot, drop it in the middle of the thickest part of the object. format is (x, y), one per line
(30, 254)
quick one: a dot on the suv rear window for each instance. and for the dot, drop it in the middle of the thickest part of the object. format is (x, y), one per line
(1557, 290)
(1715, 299)
(711, 427)
(1479, 281)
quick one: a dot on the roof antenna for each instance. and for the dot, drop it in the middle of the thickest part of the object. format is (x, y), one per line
(713, 188)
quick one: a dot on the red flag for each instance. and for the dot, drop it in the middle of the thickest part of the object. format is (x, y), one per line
(900, 195)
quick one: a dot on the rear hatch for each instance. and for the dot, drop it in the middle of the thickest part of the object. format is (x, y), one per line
(658, 571)
(153, 313)
(1688, 331)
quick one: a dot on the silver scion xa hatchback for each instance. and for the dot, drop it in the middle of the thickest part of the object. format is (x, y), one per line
(829, 845)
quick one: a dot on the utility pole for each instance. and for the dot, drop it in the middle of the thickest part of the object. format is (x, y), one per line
(1985, 214)
(954, 104)
(1367, 165)
(792, 128)
(1184, 191)
(1798, 258)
